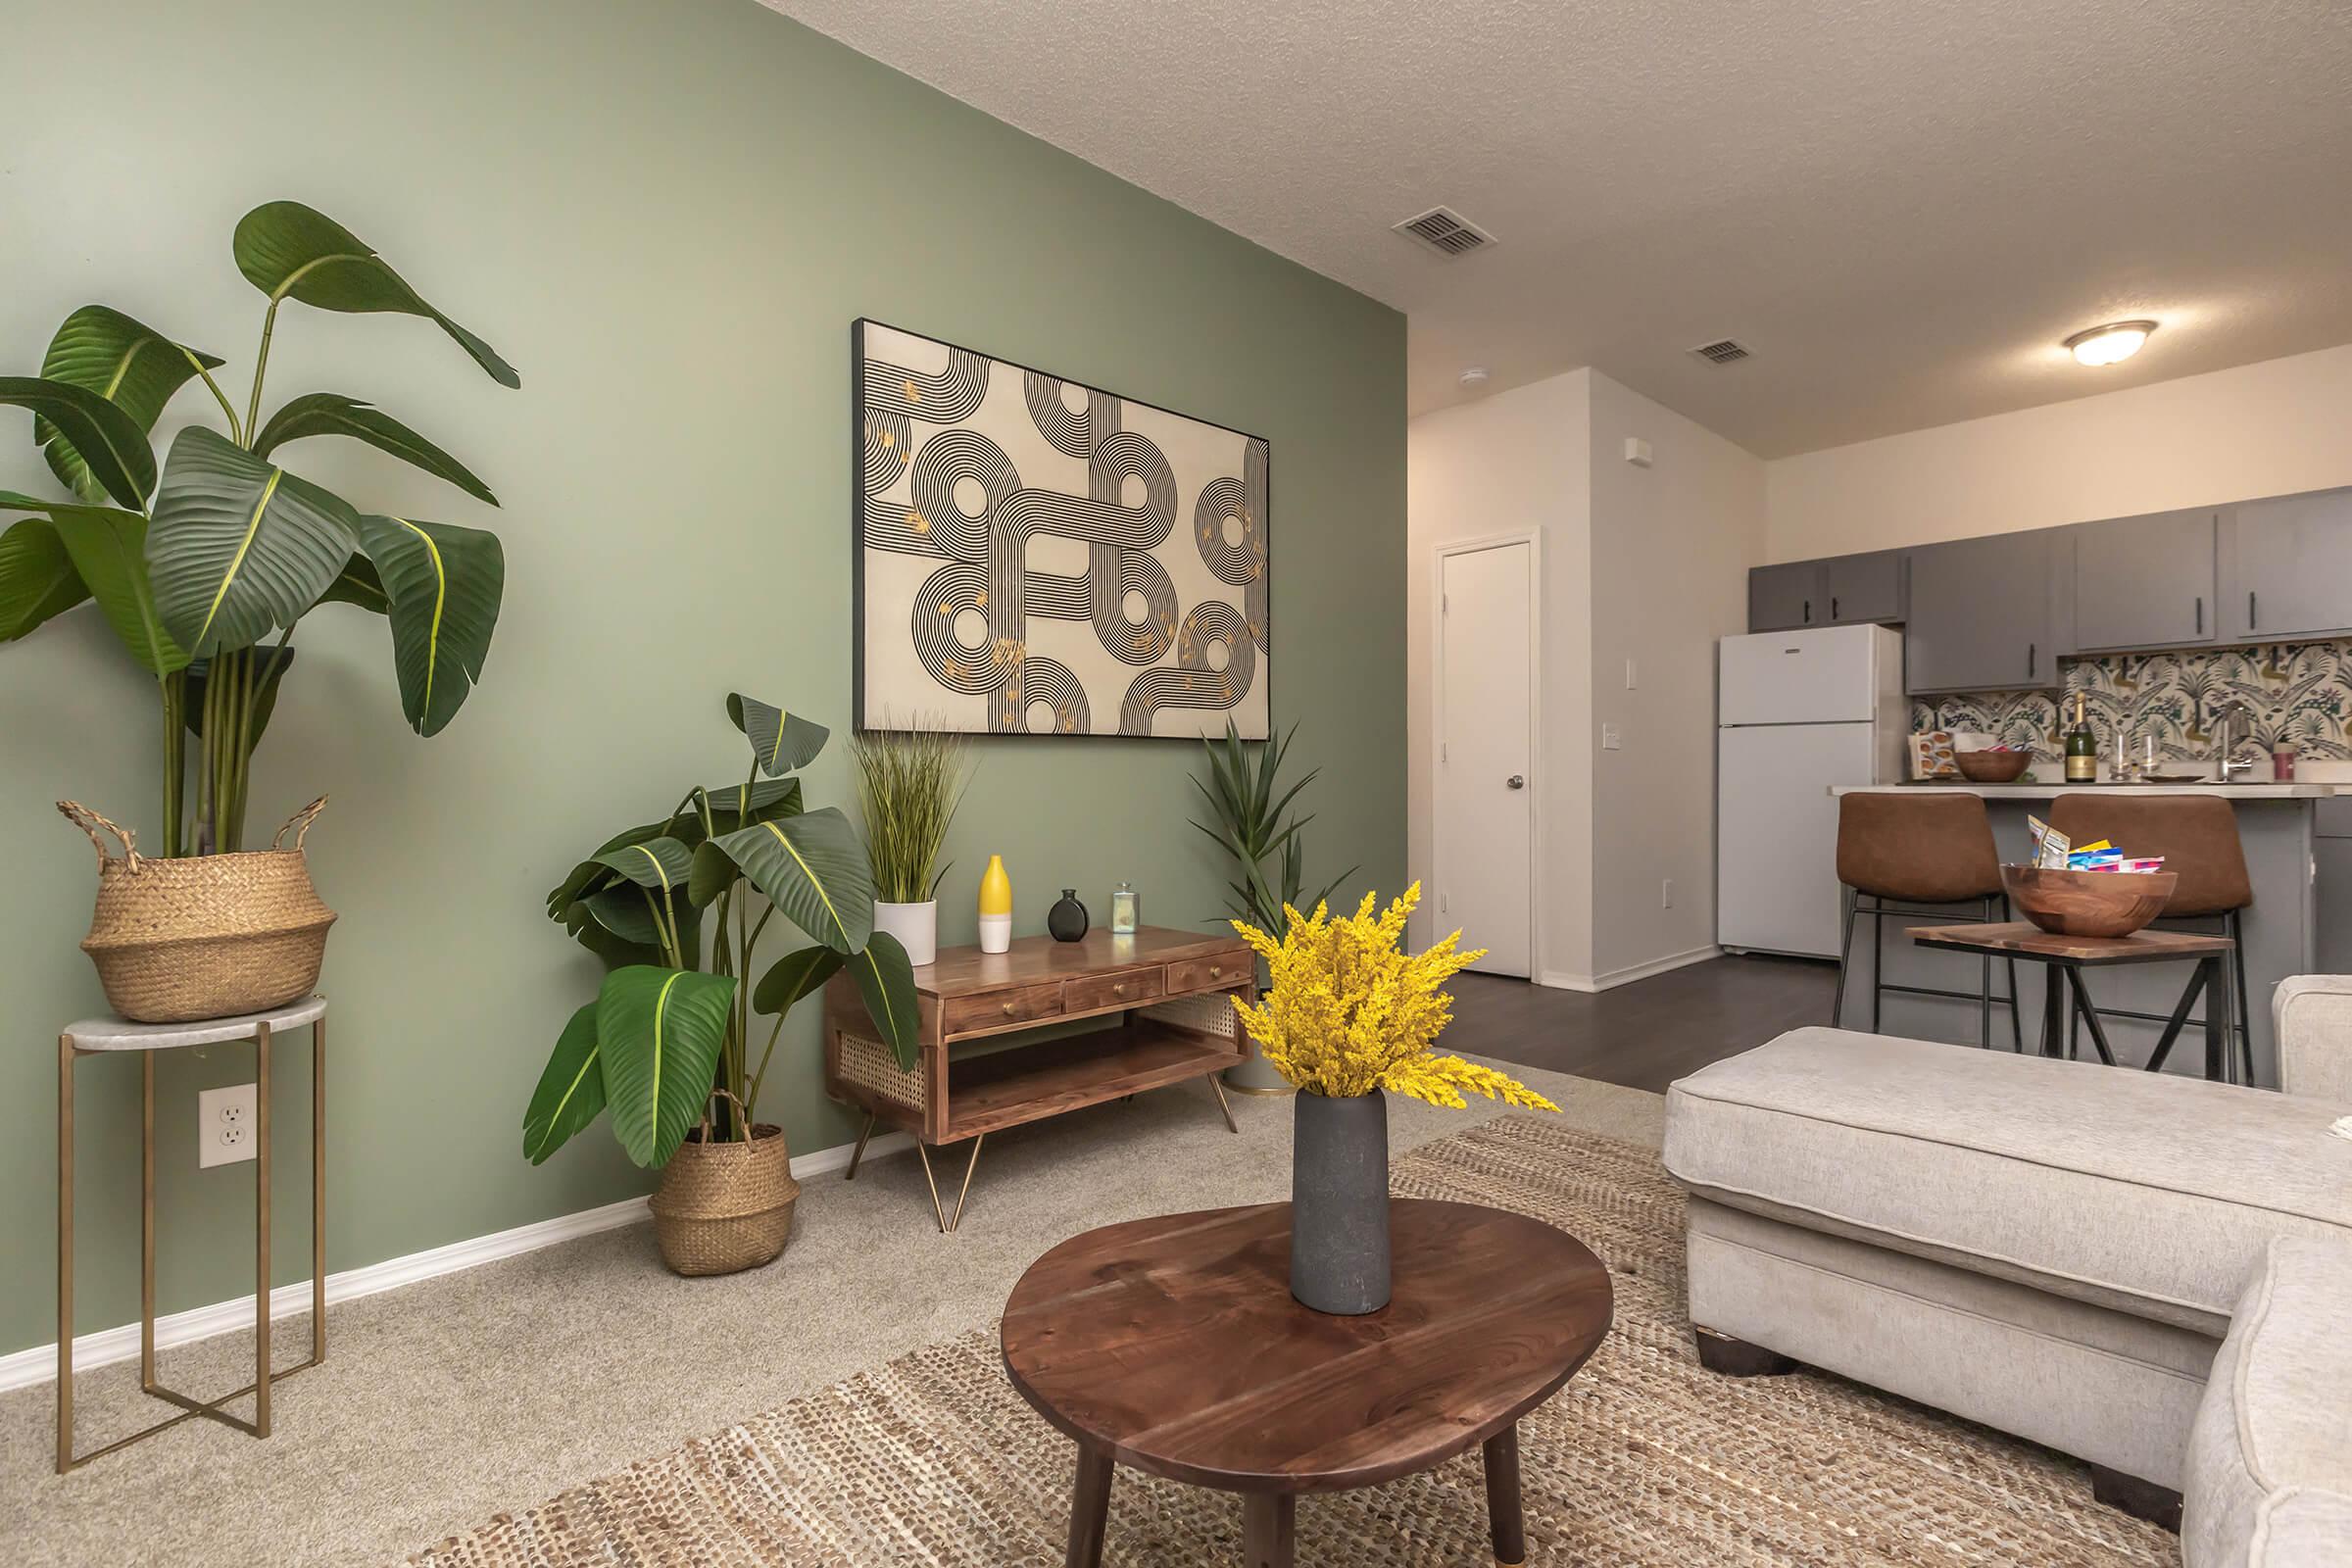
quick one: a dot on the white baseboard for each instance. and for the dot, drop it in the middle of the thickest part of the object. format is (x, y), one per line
(1561, 980)
(38, 1364)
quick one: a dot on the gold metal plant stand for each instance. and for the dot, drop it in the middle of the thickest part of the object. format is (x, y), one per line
(112, 1036)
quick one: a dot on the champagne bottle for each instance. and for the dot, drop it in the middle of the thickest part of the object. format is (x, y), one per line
(2082, 748)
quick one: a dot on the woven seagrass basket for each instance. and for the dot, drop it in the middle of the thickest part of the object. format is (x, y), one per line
(209, 936)
(724, 1207)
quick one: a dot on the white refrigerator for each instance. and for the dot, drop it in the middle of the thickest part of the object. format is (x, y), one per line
(1797, 713)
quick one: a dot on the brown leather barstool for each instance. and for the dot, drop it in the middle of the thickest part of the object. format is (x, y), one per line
(1932, 849)
(2197, 836)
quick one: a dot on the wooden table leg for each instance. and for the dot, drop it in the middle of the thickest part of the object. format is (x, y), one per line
(1090, 1507)
(1504, 1518)
(1269, 1522)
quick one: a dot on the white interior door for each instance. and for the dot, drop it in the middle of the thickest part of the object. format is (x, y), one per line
(1484, 783)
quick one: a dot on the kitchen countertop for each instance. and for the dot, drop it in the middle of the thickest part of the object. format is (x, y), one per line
(2264, 791)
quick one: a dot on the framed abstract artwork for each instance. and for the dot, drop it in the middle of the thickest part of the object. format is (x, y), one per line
(1036, 556)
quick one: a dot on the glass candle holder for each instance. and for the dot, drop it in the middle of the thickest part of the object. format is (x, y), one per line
(1126, 909)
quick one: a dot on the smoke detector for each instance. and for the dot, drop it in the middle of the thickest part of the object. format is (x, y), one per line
(1445, 232)
(1474, 378)
(1722, 351)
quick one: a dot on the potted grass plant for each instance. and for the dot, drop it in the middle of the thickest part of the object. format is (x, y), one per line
(1349, 1014)
(203, 568)
(675, 909)
(909, 784)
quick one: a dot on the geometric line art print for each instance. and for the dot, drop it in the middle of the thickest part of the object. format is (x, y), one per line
(1032, 556)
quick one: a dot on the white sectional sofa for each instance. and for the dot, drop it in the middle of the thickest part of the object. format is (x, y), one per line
(2146, 1271)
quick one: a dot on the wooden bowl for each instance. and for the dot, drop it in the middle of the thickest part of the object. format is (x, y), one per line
(2089, 903)
(1992, 768)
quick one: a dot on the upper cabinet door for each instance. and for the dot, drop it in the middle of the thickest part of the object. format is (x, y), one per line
(1787, 597)
(2286, 567)
(1864, 588)
(2145, 582)
(1981, 615)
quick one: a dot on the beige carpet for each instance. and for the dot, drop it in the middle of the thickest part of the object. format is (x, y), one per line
(446, 1401)
(1643, 1459)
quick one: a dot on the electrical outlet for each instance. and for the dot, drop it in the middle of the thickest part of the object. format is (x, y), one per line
(1611, 739)
(1666, 894)
(225, 1120)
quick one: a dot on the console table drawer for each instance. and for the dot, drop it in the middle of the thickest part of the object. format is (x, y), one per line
(1205, 974)
(1121, 988)
(998, 1009)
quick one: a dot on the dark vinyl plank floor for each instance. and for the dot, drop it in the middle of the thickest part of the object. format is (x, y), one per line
(1646, 1033)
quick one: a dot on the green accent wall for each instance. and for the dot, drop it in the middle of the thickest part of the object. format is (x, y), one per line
(667, 214)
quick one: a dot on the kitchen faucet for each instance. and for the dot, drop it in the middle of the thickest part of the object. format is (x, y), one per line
(2238, 728)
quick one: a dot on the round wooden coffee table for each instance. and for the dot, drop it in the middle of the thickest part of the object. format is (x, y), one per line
(1173, 1345)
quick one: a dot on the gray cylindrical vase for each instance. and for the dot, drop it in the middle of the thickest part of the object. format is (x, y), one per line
(1340, 1204)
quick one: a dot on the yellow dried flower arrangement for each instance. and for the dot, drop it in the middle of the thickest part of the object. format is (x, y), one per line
(1349, 1011)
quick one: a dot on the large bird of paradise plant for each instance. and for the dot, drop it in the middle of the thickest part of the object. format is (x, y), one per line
(672, 1022)
(204, 569)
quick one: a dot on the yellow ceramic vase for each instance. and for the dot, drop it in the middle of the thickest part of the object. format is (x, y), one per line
(995, 906)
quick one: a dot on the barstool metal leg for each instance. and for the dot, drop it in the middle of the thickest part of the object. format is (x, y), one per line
(2236, 920)
(1845, 952)
(1984, 987)
(1877, 958)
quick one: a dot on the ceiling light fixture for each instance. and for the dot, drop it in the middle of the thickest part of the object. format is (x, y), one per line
(2110, 344)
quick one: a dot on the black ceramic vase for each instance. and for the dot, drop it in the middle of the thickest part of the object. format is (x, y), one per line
(1067, 918)
(1340, 1204)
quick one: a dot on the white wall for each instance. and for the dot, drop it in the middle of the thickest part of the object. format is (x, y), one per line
(1643, 564)
(1672, 545)
(2260, 430)
(1509, 463)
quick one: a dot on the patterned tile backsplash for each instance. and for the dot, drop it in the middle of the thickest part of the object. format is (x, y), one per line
(2300, 695)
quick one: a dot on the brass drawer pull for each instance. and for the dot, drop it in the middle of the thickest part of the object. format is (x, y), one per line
(1119, 990)
(1008, 1010)
(1215, 969)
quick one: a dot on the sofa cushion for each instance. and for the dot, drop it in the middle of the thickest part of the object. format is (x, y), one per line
(2146, 1193)
(2270, 1455)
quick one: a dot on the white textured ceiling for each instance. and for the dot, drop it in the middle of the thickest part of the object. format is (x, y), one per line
(1900, 206)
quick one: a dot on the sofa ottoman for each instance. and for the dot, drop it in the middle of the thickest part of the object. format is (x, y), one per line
(2051, 1248)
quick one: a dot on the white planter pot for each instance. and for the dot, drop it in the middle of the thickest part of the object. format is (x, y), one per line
(915, 925)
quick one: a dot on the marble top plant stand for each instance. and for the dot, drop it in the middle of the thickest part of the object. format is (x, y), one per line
(111, 1036)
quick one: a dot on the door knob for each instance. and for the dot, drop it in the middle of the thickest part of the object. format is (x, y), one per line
(1517, 781)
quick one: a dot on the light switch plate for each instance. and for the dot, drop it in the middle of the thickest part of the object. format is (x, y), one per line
(225, 1120)
(1611, 739)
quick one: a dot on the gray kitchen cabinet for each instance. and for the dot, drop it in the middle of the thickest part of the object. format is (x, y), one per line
(2286, 567)
(2332, 886)
(1785, 597)
(2145, 582)
(1982, 615)
(1865, 588)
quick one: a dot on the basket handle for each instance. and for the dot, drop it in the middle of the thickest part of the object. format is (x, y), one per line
(89, 821)
(299, 824)
(742, 1112)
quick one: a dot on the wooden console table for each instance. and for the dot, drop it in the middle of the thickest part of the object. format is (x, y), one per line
(1171, 989)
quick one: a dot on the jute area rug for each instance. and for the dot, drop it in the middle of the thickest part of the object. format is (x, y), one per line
(1644, 1458)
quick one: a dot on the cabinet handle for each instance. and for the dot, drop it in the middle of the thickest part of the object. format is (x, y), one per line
(1808, 612)
(1833, 606)
(2252, 619)
(2032, 656)
(2200, 614)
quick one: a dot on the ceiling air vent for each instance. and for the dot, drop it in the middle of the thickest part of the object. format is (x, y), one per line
(1722, 351)
(1446, 232)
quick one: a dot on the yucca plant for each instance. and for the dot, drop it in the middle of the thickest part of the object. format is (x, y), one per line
(195, 569)
(909, 783)
(671, 1023)
(1251, 823)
